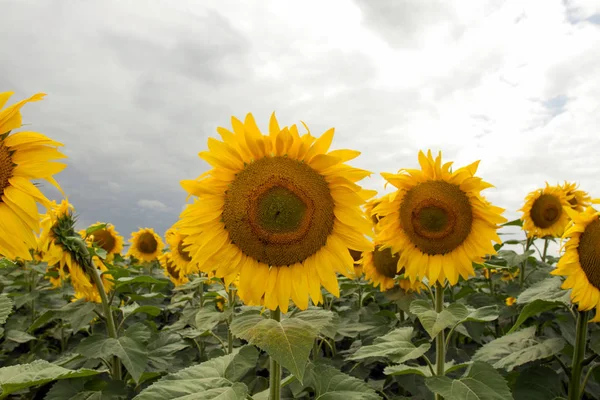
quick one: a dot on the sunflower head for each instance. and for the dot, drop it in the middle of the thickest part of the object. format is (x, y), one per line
(179, 253)
(580, 262)
(544, 213)
(509, 301)
(84, 285)
(172, 271)
(24, 156)
(106, 238)
(379, 266)
(508, 276)
(438, 220)
(578, 199)
(146, 245)
(220, 303)
(280, 210)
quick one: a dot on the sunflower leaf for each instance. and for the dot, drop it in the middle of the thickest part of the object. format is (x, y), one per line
(548, 290)
(403, 369)
(538, 383)
(518, 348)
(323, 320)
(480, 382)
(331, 384)
(513, 259)
(209, 317)
(433, 322)
(213, 379)
(396, 346)
(6, 305)
(289, 342)
(534, 308)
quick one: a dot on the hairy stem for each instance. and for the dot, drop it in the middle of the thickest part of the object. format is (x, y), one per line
(274, 367)
(578, 355)
(440, 350)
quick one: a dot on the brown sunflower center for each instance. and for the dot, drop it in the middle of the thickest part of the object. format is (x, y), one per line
(182, 252)
(436, 216)
(385, 262)
(105, 240)
(546, 210)
(589, 252)
(6, 167)
(278, 211)
(147, 243)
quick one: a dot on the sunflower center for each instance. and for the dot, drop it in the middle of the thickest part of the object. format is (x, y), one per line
(278, 211)
(589, 252)
(147, 243)
(6, 167)
(436, 216)
(546, 210)
(182, 252)
(105, 240)
(385, 263)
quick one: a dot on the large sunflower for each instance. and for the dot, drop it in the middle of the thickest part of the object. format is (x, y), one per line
(179, 254)
(24, 156)
(438, 220)
(145, 245)
(578, 199)
(106, 238)
(280, 210)
(543, 212)
(580, 262)
(172, 270)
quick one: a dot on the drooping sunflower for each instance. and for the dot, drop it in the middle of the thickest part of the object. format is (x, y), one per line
(146, 245)
(438, 220)
(106, 238)
(543, 212)
(172, 270)
(578, 199)
(84, 285)
(279, 209)
(179, 255)
(580, 262)
(24, 156)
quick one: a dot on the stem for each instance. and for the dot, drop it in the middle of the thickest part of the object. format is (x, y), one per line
(587, 376)
(274, 367)
(401, 316)
(428, 362)
(316, 352)
(578, 354)
(230, 300)
(439, 340)
(524, 263)
(220, 341)
(546, 241)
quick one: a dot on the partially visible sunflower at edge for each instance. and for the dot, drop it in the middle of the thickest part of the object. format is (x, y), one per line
(380, 267)
(146, 245)
(438, 220)
(280, 210)
(107, 238)
(578, 199)
(543, 212)
(179, 254)
(172, 270)
(580, 262)
(24, 156)
(59, 251)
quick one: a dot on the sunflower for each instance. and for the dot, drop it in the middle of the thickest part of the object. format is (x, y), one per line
(438, 220)
(508, 276)
(543, 212)
(357, 256)
(24, 156)
(580, 262)
(578, 199)
(172, 270)
(84, 285)
(280, 210)
(509, 301)
(106, 238)
(179, 255)
(145, 245)
(380, 266)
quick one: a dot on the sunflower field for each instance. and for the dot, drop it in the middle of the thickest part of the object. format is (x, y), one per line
(285, 279)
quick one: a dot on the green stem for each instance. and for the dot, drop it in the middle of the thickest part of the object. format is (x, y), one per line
(230, 300)
(316, 349)
(274, 367)
(546, 241)
(439, 340)
(587, 376)
(578, 355)
(401, 316)
(524, 263)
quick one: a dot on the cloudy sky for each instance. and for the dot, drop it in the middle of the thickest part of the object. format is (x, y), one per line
(136, 87)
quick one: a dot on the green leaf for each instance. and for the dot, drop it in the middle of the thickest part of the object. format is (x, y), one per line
(512, 258)
(538, 383)
(595, 342)
(534, 308)
(78, 314)
(212, 379)
(18, 336)
(161, 350)
(136, 308)
(39, 372)
(87, 389)
(128, 280)
(6, 305)
(403, 369)
(323, 320)
(94, 228)
(518, 348)
(548, 290)
(396, 346)
(480, 382)
(138, 332)
(515, 222)
(433, 322)
(131, 352)
(331, 384)
(208, 317)
(483, 314)
(289, 342)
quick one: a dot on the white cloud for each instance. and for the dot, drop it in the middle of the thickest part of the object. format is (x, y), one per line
(152, 205)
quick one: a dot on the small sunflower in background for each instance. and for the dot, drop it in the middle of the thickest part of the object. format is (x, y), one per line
(172, 271)
(280, 210)
(508, 276)
(380, 269)
(180, 256)
(220, 303)
(356, 256)
(509, 301)
(543, 212)
(438, 220)
(107, 238)
(578, 199)
(580, 263)
(145, 245)
(24, 156)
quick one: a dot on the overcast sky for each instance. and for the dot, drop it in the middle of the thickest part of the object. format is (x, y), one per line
(136, 87)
